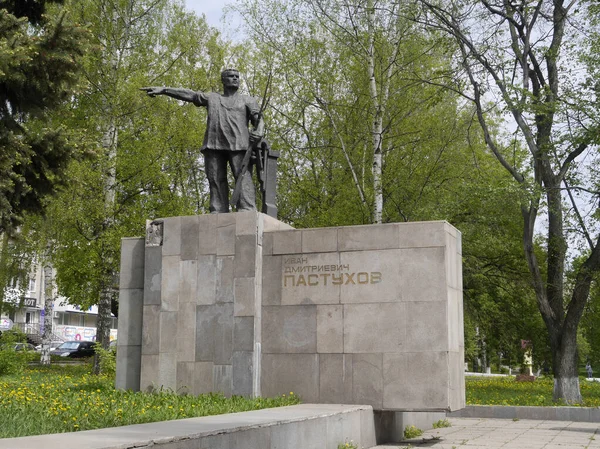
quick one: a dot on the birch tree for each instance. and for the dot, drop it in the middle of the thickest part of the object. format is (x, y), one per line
(338, 64)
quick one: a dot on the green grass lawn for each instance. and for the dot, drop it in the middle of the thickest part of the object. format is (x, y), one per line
(59, 399)
(507, 391)
(69, 398)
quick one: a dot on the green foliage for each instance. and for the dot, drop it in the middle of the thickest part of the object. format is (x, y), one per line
(347, 445)
(148, 159)
(107, 360)
(436, 165)
(322, 111)
(412, 432)
(82, 401)
(40, 60)
(590, 329)
(441, 424)
(13, 335)
(12, 362)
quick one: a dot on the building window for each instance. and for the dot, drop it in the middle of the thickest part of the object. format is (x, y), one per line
(32, 284)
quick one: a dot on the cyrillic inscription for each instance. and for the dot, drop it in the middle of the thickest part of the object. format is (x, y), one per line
(298, 273)
(311, 280)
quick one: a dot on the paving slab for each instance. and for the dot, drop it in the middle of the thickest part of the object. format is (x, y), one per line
(487, 433)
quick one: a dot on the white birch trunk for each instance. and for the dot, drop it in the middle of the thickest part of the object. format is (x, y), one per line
(377, 128)
(47, 320)
(109, 142)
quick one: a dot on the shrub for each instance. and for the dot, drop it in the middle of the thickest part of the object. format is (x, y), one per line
(412, 432)
(11, 361)
(441, 423)
(107, 360)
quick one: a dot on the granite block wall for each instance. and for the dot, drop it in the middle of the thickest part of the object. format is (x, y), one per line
(244, 304)
(365, 315)
(131, 295)
(199, 298)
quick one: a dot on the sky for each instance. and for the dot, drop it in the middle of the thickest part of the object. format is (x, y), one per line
(213, 9)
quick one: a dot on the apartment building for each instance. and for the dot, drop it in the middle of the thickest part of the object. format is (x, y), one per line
(69, 322)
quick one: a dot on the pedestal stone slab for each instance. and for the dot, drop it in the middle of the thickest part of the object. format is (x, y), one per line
(186, 332)
(428, 328)
(189, 238)
(375, 328)
(207, 234)
(150, 330)
(226, 240)
(319, 240)
(208, 277)
(203, 378)
(245, 256)
(131, 307)
(152, 274)
(188, 281)
(243, 334)
(285, 373)
(132, 263)
(244, 304)
(170, 283)
(222, 379)
(424, 234)
(172, 236)
(225, 279)
(168, 332)
(330, 329)
(367, 379)
(401, 392)
(242, 373)
(185, 377)
(333, 388)
(149, 372)
(214, 333)
(244, 291)
(271, 280)
(368, 237)
(128, 377)
(289, 329)
(287, 242)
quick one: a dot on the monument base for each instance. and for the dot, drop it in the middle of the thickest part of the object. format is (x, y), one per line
(244, 304)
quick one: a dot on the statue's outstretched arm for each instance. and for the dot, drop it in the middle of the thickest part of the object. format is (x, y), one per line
(173, 92)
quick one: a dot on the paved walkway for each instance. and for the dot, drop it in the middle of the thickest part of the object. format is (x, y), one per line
(483, 433)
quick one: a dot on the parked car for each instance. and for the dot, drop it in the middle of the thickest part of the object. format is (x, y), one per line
(75, 349)
(53, 345)
(19, 346)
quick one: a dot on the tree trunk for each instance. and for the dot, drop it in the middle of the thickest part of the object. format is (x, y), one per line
(3, 269)
(104, 319)
(47, 320)
(377, 128)
(109, 142)
(565, 362)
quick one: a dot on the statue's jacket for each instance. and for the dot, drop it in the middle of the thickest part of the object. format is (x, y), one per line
(228, 118)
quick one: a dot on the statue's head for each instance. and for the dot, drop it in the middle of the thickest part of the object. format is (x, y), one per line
(230, 78)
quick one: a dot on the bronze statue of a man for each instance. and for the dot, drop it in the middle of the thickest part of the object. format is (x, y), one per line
(227, 137)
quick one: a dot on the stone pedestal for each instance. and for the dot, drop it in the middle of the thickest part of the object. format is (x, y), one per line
(244, 304)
